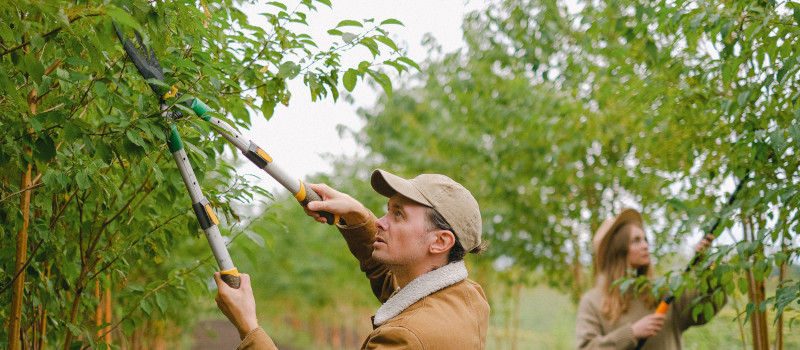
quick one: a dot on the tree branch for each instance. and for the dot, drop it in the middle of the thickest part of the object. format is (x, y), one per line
(48, 34)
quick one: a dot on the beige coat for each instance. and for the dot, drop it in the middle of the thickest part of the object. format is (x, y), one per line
(440, 310)
(593, 331)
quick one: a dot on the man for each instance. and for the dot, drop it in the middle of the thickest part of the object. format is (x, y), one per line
(413, 257)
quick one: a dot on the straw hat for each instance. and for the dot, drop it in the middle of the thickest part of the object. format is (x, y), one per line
(607, 230)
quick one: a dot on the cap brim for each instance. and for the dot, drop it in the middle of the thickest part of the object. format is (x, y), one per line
(388, 184)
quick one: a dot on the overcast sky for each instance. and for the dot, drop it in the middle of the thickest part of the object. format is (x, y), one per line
(298, 136)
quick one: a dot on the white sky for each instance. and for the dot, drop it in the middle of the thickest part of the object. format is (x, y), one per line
(300, 135)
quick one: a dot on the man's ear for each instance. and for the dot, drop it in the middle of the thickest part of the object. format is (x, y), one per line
(444, 240)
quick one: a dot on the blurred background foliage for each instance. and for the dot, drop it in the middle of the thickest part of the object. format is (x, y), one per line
(555, 114)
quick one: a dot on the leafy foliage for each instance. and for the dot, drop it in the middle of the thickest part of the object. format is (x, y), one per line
(557, 117)
(108, 203)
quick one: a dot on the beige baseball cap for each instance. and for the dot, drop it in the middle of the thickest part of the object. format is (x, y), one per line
(456, 204)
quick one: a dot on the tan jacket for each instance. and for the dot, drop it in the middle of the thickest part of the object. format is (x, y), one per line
(440, 310)
(593, 331)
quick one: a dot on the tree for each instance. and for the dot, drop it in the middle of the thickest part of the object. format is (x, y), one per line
(84, 132)
(557, 117)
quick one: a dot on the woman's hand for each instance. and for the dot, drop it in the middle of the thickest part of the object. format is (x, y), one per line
(648, 326)
(704, 243)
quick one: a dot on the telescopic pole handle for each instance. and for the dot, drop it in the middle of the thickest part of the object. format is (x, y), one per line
(232, 280)
(307, 195)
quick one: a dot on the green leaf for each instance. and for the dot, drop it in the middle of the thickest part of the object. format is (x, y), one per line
(255, 237)
(350, 78)
(778, 142)
(135, 137)
(350, 23)
(161, 302)
(392, 21)
(83, 180)
(288, 70)
(743, 97)
(74, 329)
(409, 62)
(44, 149)
(349, 37)
(697, 20)
(386, 41)
(76, 61)
(384, 82)
(278, 5)
(33, 67)
(794, 132)
(796, 15)
(37, 42)
(123, 17)
(624, 285)
(146, 306)
(708, 311)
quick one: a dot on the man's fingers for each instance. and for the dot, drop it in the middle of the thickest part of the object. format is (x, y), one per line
(218, 279)
(244, 281)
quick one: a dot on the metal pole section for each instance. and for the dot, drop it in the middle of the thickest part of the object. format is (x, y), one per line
(203, 210)
(244, 145)
(262, 160)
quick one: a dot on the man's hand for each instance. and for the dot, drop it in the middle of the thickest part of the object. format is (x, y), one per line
(704, 243)
(648, 326)
(337, 203)
(238, 305)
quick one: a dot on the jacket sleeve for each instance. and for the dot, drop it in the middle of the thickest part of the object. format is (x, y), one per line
(257, 339)
(589, 333)
(393, 338)
(360, 239)
(683, 309)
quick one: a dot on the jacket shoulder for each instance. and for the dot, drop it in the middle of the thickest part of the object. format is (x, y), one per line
(455, 317)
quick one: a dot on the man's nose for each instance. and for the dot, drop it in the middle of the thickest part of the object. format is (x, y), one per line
(380, 223)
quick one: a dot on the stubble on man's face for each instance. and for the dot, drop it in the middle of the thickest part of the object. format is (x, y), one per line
(400, 239)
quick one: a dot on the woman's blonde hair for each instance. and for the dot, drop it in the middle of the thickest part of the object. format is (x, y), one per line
(614, 267)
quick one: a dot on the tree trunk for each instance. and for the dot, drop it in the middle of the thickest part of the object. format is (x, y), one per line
(781, 278)
(18, 288)
(98, 314)
(107, 328)
(76, 303)
(43, 331)
(756, 295)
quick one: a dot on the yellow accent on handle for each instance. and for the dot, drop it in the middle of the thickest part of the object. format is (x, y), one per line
(264, 155)
(234, 271)
(301, 194)
(335, 218)
(171, 93)
(211, 214)
(662, 308)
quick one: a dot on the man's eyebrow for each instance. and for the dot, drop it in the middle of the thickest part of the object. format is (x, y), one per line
(395, 205)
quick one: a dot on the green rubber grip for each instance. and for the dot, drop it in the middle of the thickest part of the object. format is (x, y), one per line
(174, 141)
(200, 108)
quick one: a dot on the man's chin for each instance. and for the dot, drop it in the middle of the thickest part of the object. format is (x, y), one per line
(377, 256)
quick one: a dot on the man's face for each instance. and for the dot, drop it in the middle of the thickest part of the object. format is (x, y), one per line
(402, 236)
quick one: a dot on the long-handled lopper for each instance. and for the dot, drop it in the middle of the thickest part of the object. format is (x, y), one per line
(663, 306)
(149, 68)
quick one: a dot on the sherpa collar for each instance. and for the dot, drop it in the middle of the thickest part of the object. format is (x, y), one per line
(419, 288)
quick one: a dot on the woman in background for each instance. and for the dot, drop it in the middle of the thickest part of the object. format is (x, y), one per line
(610, 319)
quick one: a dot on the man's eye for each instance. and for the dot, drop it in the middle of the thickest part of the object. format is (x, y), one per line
(398, 214)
